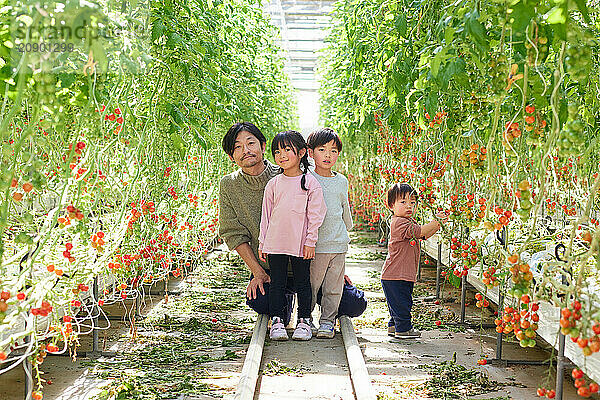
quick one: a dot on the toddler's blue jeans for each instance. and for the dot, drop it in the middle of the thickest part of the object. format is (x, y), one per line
(398, 295)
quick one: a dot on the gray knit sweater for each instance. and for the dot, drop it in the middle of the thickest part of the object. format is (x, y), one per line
(333, 233)
(240, 203)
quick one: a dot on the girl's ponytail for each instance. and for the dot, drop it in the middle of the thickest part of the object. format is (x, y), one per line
(304, 164)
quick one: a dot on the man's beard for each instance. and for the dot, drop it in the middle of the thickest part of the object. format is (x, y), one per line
(250, 161)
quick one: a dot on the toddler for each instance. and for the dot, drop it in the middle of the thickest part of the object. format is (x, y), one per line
(400, 268)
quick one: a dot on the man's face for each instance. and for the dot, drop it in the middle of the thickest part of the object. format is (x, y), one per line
(247, 150)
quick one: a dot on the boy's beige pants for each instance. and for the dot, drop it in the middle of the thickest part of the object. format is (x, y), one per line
(327, 273)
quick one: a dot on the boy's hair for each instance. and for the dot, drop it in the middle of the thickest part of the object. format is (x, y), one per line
(322, 136)
(295, 141)
(399, 191)
(233, 132)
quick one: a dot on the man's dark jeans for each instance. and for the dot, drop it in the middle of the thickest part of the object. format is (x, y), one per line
(352, 304)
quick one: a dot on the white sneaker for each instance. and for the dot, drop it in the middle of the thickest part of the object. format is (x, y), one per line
(302, 331)
(278, 331)
(326, 331)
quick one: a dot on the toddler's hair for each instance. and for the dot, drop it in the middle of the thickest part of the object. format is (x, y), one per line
(295, 141)
(322, 136)
(398, 191)
(233, 132)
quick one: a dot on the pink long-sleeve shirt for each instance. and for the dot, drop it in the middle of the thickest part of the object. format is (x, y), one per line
(291, 216)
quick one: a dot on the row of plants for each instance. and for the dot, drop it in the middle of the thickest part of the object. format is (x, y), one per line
(111, 118)
(489, 109)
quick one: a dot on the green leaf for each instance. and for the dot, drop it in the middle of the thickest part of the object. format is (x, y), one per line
(437, 60)
(556, 15)
(173, 39)
(476, 30)
(454, 280)
(99, 55)
(66, 80)
(431, 103)
(400, 24)
(449, 34)
(522, 14)
(158, 29)
(199, 139)
(178, 143)
(177, 116)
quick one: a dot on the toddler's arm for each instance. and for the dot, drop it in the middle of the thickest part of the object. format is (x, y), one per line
(429, 229)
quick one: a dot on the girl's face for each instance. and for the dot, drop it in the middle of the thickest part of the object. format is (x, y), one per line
(288, 158)
(404, 206)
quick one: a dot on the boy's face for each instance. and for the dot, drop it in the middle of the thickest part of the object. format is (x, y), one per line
(404, 206)
(325, 156)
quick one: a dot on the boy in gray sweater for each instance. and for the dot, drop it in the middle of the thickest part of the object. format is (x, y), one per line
(327, 269)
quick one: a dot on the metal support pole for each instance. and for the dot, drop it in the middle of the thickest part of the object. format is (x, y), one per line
(96, 352)
(95, 311)
(28, 374)
(499, 334)
(501, 301)
(463, 298)
(438, 273)
(560, 367)
(560, 359)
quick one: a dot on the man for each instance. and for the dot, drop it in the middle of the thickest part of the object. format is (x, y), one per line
(240, 202)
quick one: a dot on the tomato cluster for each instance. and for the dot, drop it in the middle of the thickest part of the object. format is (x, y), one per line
(583, 389)
(482, 302)
(521, 276)
(465, 208)
(535, 126)
(466, 254)
(522, 321)
(511, 132)
(473, 158)
(571, 323)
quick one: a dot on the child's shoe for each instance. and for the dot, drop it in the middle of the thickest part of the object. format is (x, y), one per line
(326, 331)
(302, 331)
(392, 331)
(278, 331)
(411, 334)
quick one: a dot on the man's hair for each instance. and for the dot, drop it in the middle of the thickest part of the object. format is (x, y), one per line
(399, 191)
(322, 136)
(233, 132)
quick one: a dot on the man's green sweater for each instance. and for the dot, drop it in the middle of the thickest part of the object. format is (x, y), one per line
(240, 202)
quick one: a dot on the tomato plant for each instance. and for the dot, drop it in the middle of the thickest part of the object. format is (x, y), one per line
(111, 116)
(489, 110)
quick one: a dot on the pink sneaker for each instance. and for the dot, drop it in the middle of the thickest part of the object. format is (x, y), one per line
(302, 331)
(278, 331)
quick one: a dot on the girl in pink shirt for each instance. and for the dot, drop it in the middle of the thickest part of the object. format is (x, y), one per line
(292, 212)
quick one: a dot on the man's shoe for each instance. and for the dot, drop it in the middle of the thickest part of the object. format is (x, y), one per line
(302, 331)
(411, 334)
(326, 331)
(392, 331)
(278, 331)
